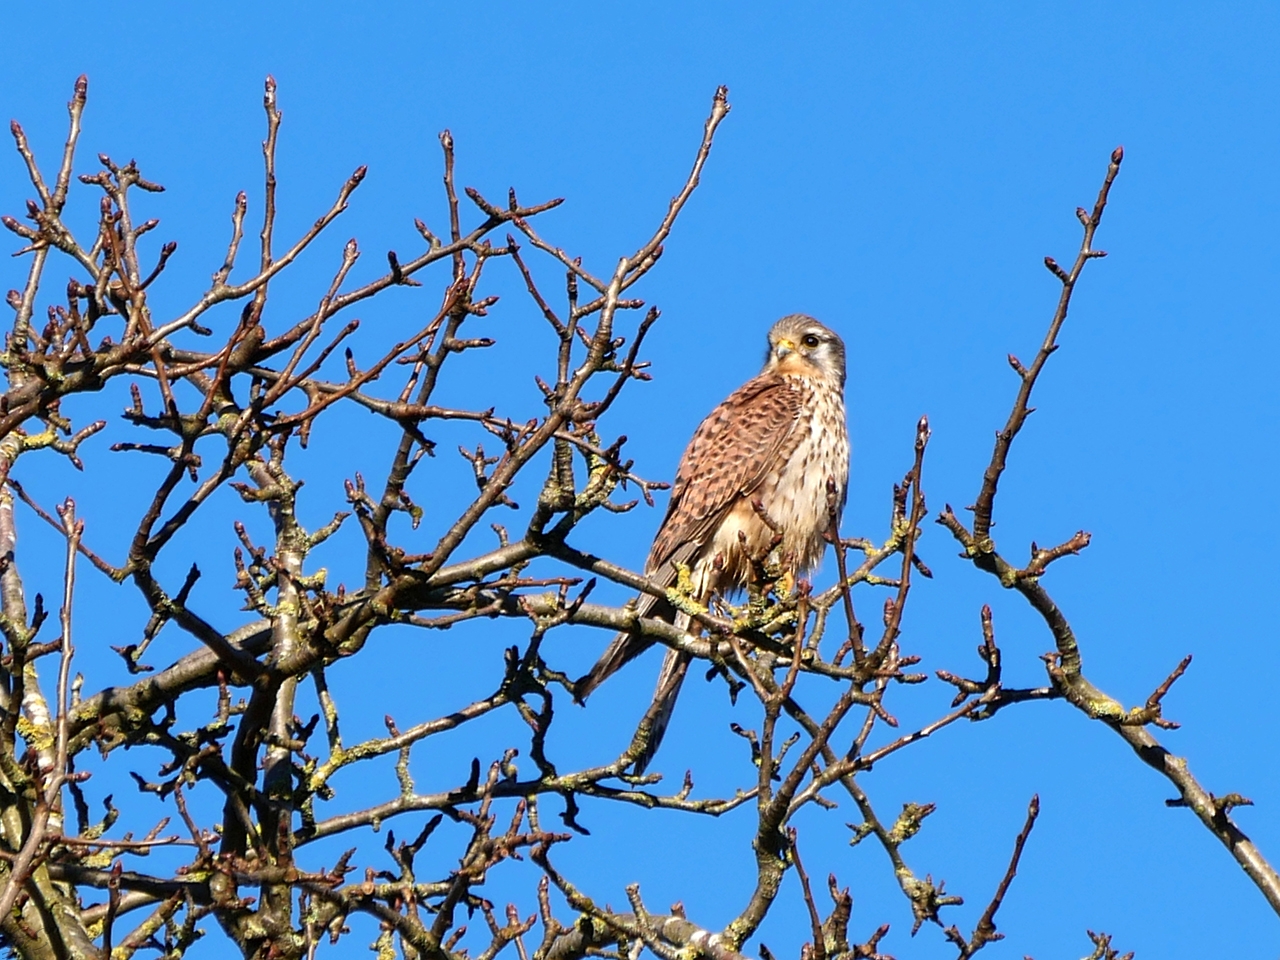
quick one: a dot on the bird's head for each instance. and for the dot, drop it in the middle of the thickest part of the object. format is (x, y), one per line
(800, 344)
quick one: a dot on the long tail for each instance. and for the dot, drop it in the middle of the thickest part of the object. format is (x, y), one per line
(624, 648)
(654, 725)
(628, 645)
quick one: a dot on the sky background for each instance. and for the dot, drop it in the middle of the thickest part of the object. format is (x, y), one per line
(899, 171)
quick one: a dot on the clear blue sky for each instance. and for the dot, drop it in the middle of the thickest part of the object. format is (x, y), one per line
(899, 171)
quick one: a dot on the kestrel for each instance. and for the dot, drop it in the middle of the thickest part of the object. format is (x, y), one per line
(777, 440)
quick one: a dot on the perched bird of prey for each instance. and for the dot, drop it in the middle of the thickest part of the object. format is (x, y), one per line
(776, 440)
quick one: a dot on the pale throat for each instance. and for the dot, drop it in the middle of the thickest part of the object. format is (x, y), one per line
(797, 366)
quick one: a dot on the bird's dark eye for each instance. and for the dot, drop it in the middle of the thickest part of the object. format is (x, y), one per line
(811, 341)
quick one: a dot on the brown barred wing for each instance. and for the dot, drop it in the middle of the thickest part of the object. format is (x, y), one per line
(742, 441)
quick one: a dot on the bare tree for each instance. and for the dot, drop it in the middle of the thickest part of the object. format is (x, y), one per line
(233, 415)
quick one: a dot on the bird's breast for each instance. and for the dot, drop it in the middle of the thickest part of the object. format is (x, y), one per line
(793, 493)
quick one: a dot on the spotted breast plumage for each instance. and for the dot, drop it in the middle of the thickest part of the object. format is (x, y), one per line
(777, 441)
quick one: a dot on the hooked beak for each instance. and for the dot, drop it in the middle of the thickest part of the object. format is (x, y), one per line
(783, 347)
